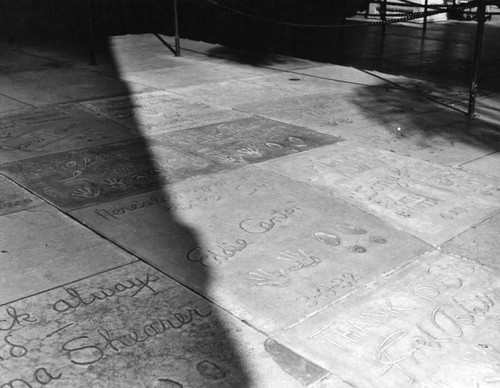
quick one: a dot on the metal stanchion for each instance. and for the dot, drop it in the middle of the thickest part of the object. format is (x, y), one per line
(90, 12)
(383, 15)
(176, 26)
(481, 19)
(10, 39)
(426, 7)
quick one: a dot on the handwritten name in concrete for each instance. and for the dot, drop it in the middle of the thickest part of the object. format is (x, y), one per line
(77, 300)
(261, 226)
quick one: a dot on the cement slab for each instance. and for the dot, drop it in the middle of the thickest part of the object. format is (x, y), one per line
(55, 86)
(447, 93)
(479, 243)
(432, 324)
(156, 112)
(445, 137)
(329, 112)
(9, 105)
(434, 203)
(299, 83)
(81, 177)
(131, 327)
(488, 165)
(276, 250)
(232, 93)
(42, 131)
(42, 249)
(249, 140)
(347, 74)
(14, 61)
(178, 77)
(14, 198)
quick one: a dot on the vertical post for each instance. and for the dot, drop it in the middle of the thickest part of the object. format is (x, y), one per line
(90, 12)
(481, 19)
(10, 39)
(426, 7)
(176, 26)
(383, 15)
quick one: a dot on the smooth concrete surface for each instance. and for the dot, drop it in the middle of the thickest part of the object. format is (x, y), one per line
(238, 219)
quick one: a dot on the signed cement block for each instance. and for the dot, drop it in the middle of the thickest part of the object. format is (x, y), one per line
(329, 112)
(432, 324)
(434, 203)
(131, 327)
(443, 137)
(479, 243)
(66, 84)
(43, 131)
(487, 165)
(14, 198)
(156, 112)
(277, 250)
(42, 249)
(232, 93)
(249, 140)
(80, 177)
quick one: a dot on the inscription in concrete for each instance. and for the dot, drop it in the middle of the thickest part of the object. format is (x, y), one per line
(432, 202)
(48, 130)
(15, 198)
(330, 112)
(41, 249)
(248, 140)
(278, 250)
(77, 178)
(432, 324)
(479, 243)
(131, 327)
(157, 112)
(442, 137)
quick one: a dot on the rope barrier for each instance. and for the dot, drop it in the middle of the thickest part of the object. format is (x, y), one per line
(405, 18)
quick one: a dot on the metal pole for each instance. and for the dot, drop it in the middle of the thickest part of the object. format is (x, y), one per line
(176, 26)
(426, 6)
(90, 11)
(10, 39)
(481, 19)
(383, 15)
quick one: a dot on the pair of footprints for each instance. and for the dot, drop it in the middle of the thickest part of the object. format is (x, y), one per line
(332, 239)
(302, 260)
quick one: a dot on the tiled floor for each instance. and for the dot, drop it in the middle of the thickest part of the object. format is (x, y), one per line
(204, 221)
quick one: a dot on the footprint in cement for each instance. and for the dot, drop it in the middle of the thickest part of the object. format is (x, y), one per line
(167, 383)
(328, 239)
(349, 229)
(378, 240)
(210, 370)
(357, 249)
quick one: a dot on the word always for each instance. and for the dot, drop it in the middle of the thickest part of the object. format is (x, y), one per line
(137, 285)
